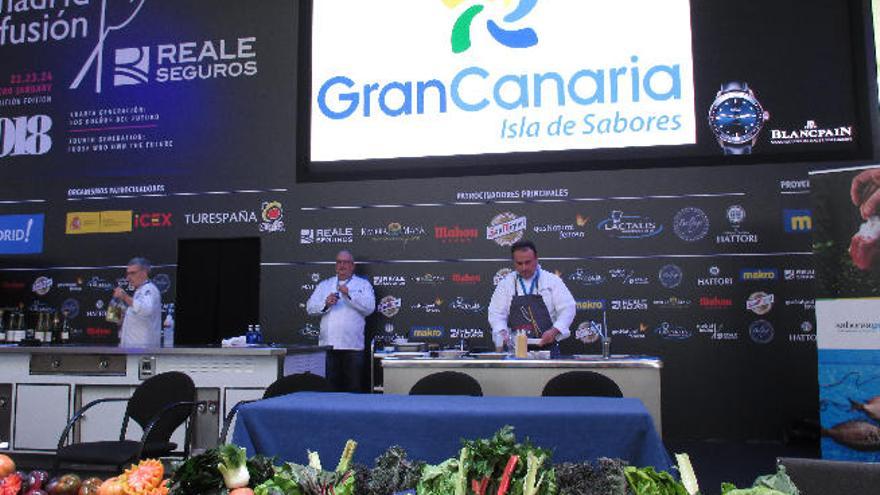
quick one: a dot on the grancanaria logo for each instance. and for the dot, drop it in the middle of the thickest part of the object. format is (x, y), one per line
(521, 38)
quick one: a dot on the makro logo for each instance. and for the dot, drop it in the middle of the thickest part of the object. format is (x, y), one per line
(520, 38)
(590, 304)
(25, 135)
(759, 274)
(797, 221)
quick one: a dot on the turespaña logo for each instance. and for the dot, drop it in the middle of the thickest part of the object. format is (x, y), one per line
(797, 221)
(690, 224)
(272, 214)
(515, 38)
(623, 226)
(670, 276)
(220, 217)
(761, 332)
(21, 234)
(506, 228)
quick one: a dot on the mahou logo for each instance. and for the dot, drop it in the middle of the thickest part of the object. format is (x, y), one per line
(715, 302)
(466, 278)
(454, 234)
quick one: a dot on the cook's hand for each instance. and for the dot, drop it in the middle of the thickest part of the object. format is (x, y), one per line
(344, 290)
(118, 293)
(549, 337)
(865, 192)
(331, 300)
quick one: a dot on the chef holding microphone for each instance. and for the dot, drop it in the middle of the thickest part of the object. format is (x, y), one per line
(343, 302)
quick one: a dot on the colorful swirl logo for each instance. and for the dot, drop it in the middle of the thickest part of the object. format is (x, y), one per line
(520, 38)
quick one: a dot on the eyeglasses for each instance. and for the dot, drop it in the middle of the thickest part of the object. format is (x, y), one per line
(344, 262)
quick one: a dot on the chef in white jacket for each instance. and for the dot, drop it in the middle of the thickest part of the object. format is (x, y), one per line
(532, 300)
(142, 322)
(343, 302)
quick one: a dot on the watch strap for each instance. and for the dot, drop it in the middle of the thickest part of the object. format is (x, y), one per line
(736, 149)
(734, 86)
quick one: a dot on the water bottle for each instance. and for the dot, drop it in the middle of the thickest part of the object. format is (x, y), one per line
(258, 334)
(168, 331)
(250, 337)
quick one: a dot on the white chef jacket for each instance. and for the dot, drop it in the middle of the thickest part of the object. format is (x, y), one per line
(142, 325)
(560, 303)
(342, 325)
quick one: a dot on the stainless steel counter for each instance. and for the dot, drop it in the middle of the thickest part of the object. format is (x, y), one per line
(41, 387)
(637, 376)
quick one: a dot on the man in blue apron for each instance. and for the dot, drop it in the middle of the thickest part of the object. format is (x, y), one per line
(532, 300)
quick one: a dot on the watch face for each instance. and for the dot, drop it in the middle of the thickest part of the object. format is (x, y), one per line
(736, 117)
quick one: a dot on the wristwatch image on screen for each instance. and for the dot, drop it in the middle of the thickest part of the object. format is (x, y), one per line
(736, 117)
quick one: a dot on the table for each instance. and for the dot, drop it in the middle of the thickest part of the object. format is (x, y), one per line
(430, 427)
(637, 376)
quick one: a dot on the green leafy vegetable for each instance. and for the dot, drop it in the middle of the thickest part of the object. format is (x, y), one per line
(394, 472)
(233, 466)
(605, 477)
(198, 475)
(778, 483)
(647, 481)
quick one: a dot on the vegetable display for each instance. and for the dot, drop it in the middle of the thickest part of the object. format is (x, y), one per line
(497, 465)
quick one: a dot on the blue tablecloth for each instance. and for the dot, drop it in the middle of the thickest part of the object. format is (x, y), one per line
(430, 427)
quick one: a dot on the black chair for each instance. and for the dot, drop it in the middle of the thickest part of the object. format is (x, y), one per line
(159, 405)
(447, 383)
(581, 384)
(820, 477)
(299, 382)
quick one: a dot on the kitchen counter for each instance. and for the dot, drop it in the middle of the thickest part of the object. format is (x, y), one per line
(66, 377)
(637, 376)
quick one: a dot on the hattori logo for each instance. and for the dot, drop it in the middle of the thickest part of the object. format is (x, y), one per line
(520, 38)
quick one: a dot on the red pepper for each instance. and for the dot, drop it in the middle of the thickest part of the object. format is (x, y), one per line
(479, 487)
(10, 485)
(508, 472)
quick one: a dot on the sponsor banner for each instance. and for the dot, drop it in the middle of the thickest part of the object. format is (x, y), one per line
(21, 234)
(690, 224)
(327, 235)
(715, 278)
(812, 133)
(101, 222)
(422, 332)
(797, 221)
(849, 394)
(621, 225)
(759, 274)
(469, 84)
(848, 323)
(506, 228)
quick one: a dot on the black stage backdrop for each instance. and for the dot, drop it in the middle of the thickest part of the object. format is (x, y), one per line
(707, 267)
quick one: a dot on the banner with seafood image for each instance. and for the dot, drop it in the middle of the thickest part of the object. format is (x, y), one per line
(846, 245)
